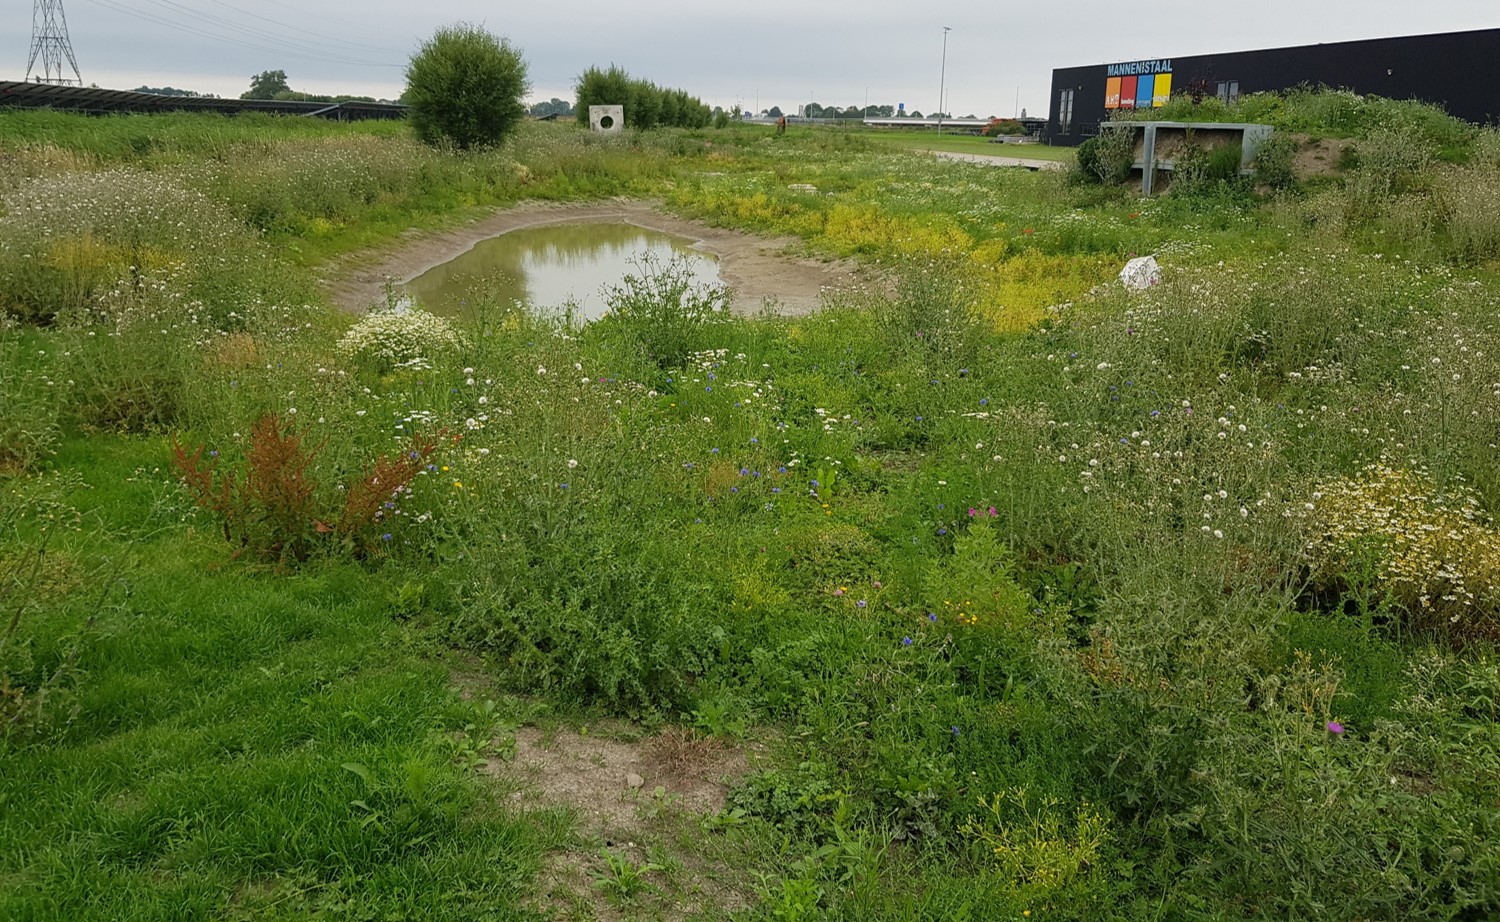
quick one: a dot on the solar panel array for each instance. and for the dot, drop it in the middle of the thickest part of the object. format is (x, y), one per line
(97, 101)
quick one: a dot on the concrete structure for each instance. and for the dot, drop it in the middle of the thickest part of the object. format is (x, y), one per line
(607, 119)
(1157, 144)
(1456, 70)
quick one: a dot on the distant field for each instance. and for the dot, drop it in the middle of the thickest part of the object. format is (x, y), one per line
(966, 144)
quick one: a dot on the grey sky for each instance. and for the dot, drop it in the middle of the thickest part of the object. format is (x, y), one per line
(779, 51)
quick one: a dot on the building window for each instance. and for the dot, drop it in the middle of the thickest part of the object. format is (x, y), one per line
(1065, 112)
(1229, 91)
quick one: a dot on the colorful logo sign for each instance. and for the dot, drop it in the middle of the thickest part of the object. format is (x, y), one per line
(1138, 84)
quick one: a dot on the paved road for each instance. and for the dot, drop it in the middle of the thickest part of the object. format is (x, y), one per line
(987, 160)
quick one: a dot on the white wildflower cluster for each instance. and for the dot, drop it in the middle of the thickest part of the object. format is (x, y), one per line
(1432, 550)
(720, 370)
(398, 339)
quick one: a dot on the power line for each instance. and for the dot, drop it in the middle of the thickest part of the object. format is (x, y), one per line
(266, 33)
(271, 44)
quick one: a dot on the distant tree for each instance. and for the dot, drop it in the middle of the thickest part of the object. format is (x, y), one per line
(172, 91)
(553, 106)
(266, 84)
(913, 114)
(464, 86)
(813, 110)
(773, 112)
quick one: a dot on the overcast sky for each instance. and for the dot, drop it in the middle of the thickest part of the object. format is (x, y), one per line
(778, 52)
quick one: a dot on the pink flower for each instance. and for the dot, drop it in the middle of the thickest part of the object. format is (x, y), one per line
(971, 512)
(993, 513)
(1336, 728)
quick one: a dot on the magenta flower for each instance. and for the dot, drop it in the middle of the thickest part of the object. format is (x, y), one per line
(1336, 728)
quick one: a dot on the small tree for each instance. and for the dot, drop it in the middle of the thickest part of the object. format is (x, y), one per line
(266, 84)
(465, 86)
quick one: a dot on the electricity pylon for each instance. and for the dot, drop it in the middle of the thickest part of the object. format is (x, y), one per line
(49, 41)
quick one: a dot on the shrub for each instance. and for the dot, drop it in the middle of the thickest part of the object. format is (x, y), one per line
(1468, 205)
(465, 86)
(1391, 535)
(398, 337)
(273, 508)
(1274, 163)
(1202, 170)
(664, 309)
(646, 104)
(1107, 158)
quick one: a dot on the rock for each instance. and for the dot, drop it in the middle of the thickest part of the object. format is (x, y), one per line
(1141, 273)
(634, 780)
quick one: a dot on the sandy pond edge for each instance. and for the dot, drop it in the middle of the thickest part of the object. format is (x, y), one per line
(756, 268)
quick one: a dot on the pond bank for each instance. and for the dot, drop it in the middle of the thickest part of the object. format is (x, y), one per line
(756, 268)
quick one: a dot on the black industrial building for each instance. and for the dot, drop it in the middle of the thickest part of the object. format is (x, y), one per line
(1457, 70)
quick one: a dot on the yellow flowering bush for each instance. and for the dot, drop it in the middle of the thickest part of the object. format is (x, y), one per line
(1432, 551)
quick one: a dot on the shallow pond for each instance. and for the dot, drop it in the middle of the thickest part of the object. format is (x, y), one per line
(553, 265)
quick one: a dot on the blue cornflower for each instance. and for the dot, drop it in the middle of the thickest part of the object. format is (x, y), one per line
(906, 641)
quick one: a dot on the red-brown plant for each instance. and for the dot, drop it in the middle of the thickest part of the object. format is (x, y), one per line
(272, 508)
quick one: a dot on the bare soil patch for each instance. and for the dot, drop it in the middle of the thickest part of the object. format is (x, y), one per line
(758, 269)
(640, 798)
(1319, 157)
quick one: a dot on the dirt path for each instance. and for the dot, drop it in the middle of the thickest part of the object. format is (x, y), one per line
(756, 268)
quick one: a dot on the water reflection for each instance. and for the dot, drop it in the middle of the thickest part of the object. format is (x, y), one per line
(551, 266)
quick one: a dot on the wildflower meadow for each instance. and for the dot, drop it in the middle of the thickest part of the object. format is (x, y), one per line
(991, 591)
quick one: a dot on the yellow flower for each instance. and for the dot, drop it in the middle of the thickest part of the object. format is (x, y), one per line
(458, 484)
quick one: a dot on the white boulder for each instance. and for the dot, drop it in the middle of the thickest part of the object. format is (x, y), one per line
(1141, 273)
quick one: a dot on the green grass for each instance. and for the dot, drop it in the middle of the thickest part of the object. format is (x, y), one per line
(219, 707)
(1032, 585)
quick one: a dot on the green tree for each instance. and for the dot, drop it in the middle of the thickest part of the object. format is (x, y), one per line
(465, 86)
(266, 84)
(602, 88)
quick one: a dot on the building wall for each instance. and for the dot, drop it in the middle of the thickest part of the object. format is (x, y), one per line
(1457, 70)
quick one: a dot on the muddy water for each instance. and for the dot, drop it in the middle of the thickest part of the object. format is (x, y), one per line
(552, 266)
